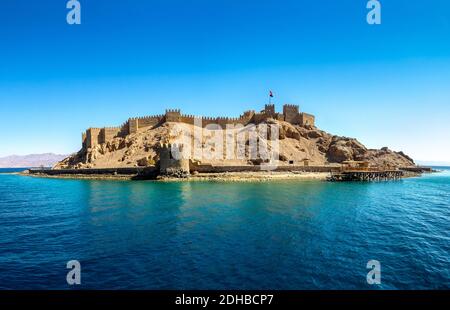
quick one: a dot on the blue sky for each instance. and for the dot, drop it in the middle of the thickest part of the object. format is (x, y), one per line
(387, 85)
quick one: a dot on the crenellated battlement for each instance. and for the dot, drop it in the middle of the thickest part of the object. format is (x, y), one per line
(173, 111)
(291, 106)
(147, 117)
(291, 113)
(269, 109)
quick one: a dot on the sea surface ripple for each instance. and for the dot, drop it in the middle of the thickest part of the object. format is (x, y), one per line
(200, 235)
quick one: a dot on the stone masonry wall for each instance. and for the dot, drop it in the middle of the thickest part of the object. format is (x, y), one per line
(291, 114)
(307, 119)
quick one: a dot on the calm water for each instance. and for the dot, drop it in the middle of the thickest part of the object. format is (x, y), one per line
(280, 235)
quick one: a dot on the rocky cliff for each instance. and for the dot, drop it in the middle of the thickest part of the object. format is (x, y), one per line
(297, 143)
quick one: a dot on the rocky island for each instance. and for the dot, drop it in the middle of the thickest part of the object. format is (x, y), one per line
(144, 146)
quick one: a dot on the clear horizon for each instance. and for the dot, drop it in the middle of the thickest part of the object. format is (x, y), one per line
(385, 85)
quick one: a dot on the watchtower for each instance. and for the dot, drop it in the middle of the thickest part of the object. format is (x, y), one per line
(291, 113)
(269, 109)
(172, 160)
(173, 115)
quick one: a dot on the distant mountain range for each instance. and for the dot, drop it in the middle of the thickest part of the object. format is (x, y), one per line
(32, 160)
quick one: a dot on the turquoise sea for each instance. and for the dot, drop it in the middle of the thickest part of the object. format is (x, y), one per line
(200, 235)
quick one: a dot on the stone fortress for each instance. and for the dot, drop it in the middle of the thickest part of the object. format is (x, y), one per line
(143, 148)
(291, 114)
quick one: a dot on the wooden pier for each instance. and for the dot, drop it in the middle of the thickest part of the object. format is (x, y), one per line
(358, 175)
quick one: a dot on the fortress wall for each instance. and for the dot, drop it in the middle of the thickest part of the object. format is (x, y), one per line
(83, 140)
(137, 123)
(259, 117)
(149, 121)
(173, 115)
(188, 119)
(92, 137)
(241, 120)
(222, 121)
(124, 129)
(291, 113)
(109, 133)
(307, 119)
(269, 109)
(219, 169)
(133, 125)
(246, 117)
(208, 120)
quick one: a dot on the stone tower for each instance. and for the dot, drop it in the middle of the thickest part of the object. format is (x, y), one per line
(291, 113)
(171, 160)
(173, 115)
(269, 110)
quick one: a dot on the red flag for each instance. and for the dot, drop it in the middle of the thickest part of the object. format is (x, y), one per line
(270, 94)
